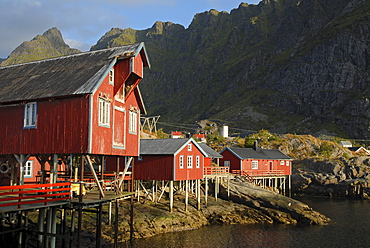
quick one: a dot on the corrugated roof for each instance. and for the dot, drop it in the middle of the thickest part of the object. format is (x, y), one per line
(210, 152)
(63, 76)
(250, 153)
(161, 146)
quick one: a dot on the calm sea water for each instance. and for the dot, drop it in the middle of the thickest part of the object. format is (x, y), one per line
(350, 228)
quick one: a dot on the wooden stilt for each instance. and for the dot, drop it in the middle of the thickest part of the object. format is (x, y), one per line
(171, 196)
(53, 226)
(98, 225)
(198, 190)
(110, 214)
(186, 194)
(48, 227)
(116, 225)
(40, 223)
(206, 192)
(20, 233)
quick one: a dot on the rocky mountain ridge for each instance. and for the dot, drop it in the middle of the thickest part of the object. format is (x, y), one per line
(298, 66)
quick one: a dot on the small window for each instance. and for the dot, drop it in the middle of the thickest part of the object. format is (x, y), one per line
(30, 113)
(227, 163)
(111, 76)
(254, 164)
(28, 168)
(281, 162)
(140, 158)
(197, 162)
(104, 112)
(287, 163)
(133, 122)
(190, 162)
(189, 147)
(181, 161)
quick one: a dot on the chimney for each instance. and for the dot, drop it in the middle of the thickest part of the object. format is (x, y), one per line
(255, 146)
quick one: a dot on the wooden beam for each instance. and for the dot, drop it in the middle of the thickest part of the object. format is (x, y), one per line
(95, 176)
(127, 165)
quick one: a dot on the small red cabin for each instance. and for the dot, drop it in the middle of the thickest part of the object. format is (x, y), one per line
(256, 161)
(169, 159)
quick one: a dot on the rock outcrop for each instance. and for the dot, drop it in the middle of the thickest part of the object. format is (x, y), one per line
(333, 178)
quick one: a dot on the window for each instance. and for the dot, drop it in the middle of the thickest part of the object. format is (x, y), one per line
(28, 168)
(140, 158)
(281, 162)
(181, 161)
(30, 112)
(227, 163)
(190, 162)
(254, 164)
(287, 163)
(189, 147)
(197, 162)
(104, 112)
(111, 76)
(133, 122)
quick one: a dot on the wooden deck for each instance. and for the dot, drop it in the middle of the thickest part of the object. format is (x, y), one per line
(93, 199)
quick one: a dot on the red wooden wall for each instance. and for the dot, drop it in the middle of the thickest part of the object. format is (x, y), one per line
(155, 167)
(62, 127)
(185, 173)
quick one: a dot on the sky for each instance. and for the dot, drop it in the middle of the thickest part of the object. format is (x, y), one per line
(83, 22)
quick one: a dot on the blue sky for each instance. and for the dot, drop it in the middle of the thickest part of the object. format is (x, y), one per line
(83, 22)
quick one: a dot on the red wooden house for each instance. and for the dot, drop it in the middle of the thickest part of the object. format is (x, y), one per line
(169, 159)
(62, 108)
(256, 161)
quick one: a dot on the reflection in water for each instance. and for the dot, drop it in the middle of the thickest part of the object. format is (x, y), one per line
(350, 228)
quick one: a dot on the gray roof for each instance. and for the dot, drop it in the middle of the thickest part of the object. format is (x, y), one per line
(210, 152)
(63, 76)
(259, 153)
(164, 146)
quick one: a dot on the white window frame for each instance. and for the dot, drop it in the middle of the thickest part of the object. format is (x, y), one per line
(28, 167)
(133, 122)
(281, 162)
(30, 115)
(104, 112)
(190, 162)
(254, 164)
(111, 76)
(227, 163)
(197, 161)
(287, 163)
(189, 147)
(181, 164)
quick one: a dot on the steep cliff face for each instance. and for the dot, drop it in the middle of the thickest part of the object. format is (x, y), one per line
(49, 44)
(282, 65)
(299, 66)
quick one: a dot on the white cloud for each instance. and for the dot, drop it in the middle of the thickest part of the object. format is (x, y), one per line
(80, 45)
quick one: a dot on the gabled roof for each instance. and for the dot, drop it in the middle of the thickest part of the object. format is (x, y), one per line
(165, 146)
(259, 153)
(76, 74)
(210, 152)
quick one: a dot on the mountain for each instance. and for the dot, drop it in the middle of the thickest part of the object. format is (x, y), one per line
(49, 44)
(298, 66)
(282, 65)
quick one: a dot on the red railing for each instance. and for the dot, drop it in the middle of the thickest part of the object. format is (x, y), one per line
(215, 170)
(22, 195)
(255, 173)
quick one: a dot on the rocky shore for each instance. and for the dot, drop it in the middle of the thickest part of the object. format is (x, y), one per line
(247, 204)
(333, 178)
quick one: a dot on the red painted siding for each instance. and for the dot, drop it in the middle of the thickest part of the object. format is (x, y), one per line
(234, 161)
(115, 139)
(154, 168)
(189, 173)
(62, 127)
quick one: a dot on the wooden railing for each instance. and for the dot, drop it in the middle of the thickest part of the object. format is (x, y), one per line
(215, 170)
(22, 195)
(254, 173)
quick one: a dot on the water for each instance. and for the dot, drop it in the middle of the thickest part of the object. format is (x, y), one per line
(350, 228)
